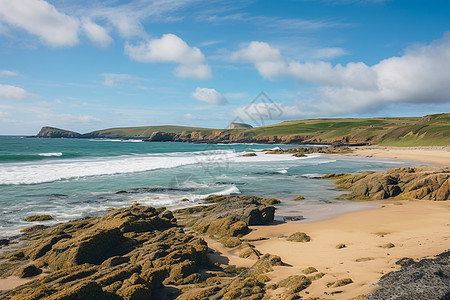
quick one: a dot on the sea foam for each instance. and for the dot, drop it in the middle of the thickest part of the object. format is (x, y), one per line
(44, 171)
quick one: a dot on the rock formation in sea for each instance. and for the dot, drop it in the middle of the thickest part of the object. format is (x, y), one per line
(52, 132)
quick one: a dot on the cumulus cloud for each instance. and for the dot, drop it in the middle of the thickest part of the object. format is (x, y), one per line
(421, 75)
(42, 19)
(171, 48)
(96, 33)
(210, 96)
(11, 92)
(8, 73)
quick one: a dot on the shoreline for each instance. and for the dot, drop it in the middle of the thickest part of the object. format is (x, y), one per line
(437, 155)
(364, 233)
(416, 228)
(374, 239)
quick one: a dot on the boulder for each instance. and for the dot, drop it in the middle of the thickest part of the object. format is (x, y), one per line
(425, 279)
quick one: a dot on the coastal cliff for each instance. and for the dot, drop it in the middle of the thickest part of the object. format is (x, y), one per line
(431, 130)
(52, 132)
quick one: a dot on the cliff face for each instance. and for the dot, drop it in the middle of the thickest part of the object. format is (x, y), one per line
(52, 132)
(225, 137)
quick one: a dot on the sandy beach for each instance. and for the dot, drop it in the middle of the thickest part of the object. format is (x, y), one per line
(374, 239)
(438, 155)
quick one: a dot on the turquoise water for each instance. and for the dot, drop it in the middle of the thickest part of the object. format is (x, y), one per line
(75, 178)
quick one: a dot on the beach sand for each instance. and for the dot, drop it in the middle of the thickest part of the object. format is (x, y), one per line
(438, 155)
(417, 229)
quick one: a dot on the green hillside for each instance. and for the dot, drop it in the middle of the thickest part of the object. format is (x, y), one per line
(431, 130)
(420, 131)
(146, 131)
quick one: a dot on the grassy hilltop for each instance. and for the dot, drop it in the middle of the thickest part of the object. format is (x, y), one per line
(430, 130)
(419, 131)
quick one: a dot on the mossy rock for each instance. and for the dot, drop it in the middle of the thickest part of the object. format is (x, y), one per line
(214, 198)
(295, 283)
(309, 270)
(249, 154)
(342, 282)
(270, 201)
(316, 276)
(299, 237)
(340, 246)
(184, 200)
(231, 242)
(334, 176)
(35, 218)
(362, 259)
(298, 198)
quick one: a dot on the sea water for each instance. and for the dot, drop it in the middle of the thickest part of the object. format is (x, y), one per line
(76, 178)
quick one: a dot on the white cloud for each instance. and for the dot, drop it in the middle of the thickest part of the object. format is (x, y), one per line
(42, 19)
(96, 33)
(421, 75)
(266, 59)
(170, 48)
(11, 92)
(112, 79)
(8, 73)
(210, 96)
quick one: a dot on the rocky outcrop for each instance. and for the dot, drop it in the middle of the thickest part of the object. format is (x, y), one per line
(423, 183)
(226, 137)
(240, 126)
(227, 217)
(426, 279)
(126, 254)
(159, 136)
(52, 132)
(248, 284)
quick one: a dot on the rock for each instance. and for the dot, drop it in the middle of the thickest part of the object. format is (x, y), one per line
(340, 246)
(270, 201)
(295, 284)
(52, 132)
(299, 198)
(249, 154)
(425, 279)
(159, 136)
(309, 270)
(29, 271)
(423, 183)
(342, 282)
(4, 242)
(240, 126)
(38, 218)
(299, 237)
(126, 254)
(292, 218)
(388, 246)
(228, 217)
(334, 176)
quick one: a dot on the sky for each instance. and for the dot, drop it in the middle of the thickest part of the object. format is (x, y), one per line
(89, 64)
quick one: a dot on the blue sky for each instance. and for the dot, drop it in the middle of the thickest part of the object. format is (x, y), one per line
(86, 65)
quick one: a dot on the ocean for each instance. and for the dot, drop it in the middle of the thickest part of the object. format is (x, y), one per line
(76, 178)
